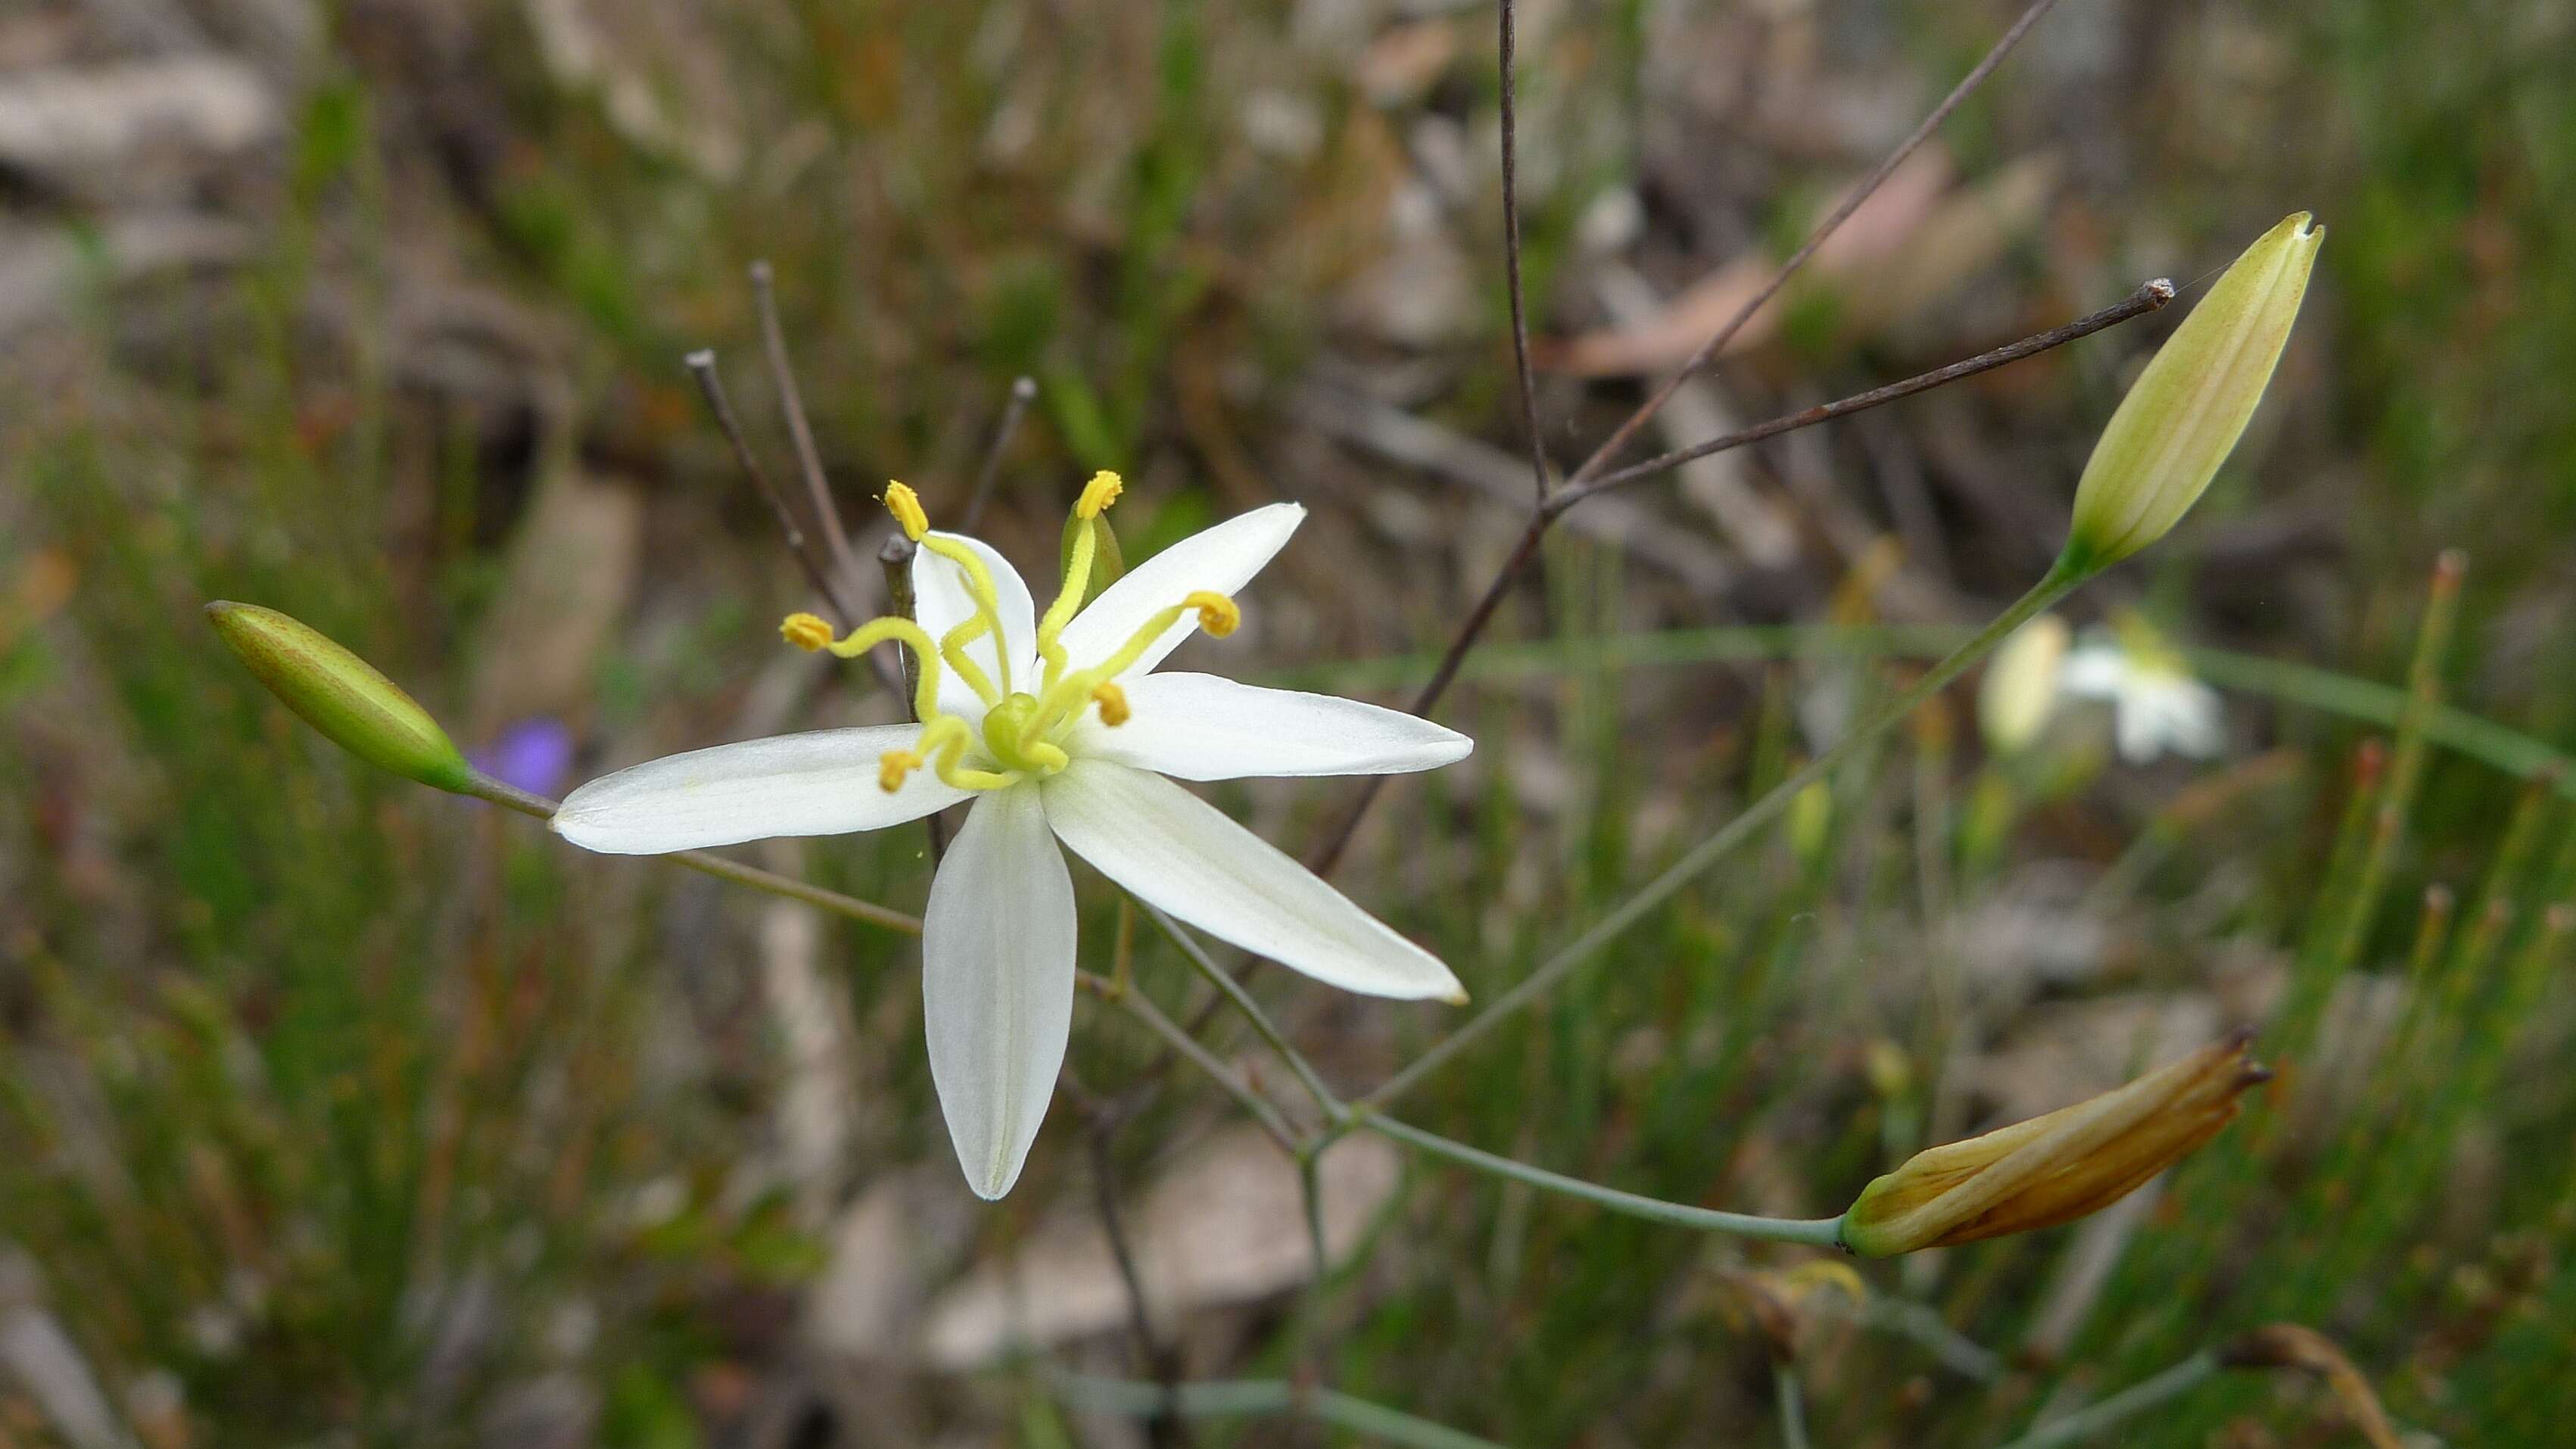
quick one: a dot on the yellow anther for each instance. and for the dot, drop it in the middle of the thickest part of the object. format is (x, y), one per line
(1098, 494)
(805, 631)
(1113, 704)
(905, 505)
(893, 766)
(1217, 613)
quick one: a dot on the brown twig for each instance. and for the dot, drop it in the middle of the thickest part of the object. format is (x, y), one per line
(1024, 391)
(791, 401)
(1859, 195)
(702, 366)
(1166, 1427)
(1581, 484)
(2147, 298)
(1512, 262)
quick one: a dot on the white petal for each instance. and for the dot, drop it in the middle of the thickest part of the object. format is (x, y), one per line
(2138, 731)
(2182, 715)
(941, 601)
(1178, 852)
(2095, 671)
(1221, 559)
(2199, 729)
(997, 983)
(1202, 727)
(821, 783)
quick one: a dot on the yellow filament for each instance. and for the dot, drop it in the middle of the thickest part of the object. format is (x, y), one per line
(1097, 495)
(925, 694)
(988, 612)
(1077, 580)
(905, 505)
(805, 631)
(1113, 703)
(952, 647)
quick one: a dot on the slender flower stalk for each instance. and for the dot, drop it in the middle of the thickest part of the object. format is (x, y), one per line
(1814, 1231)
(2058, 582)
(1057, 730)
(370, 716)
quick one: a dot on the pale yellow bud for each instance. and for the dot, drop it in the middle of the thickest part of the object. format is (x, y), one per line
(2188, 408)
(2057, 1168)
(2020, 688)
(1811, 820)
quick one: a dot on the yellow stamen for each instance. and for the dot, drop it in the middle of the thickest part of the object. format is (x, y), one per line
(925, 695)
(905, 505)
(805, 631)
(1098, 494)
(1217, 613)
(1113, 703)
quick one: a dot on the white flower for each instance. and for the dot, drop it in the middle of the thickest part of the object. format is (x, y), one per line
(1058, 731)
(2157, 706)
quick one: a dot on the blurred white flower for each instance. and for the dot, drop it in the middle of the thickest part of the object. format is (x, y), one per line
(1057, 730)
(2156, 704)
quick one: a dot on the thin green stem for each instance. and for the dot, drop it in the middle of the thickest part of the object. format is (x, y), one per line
(1819, 1232)
(1249, 1398)
(1793, 1406)
(1135, 1005)
(2135, 1399)
(2499, 746)
(510, 797)
(1234, 991)
(2059, 582)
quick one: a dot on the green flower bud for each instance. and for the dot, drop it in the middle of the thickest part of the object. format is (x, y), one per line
(341, 695)
(2184, 415)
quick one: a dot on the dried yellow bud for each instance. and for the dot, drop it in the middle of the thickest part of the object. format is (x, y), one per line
(2056, 1168)
(2186, 411)
(341, 695)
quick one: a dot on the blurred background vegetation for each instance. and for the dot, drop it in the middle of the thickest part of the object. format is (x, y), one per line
(338, 1112)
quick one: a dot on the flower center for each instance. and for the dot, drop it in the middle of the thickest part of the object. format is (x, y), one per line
(1022, 731)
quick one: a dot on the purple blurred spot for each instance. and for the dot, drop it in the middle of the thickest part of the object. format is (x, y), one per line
(533, 754)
